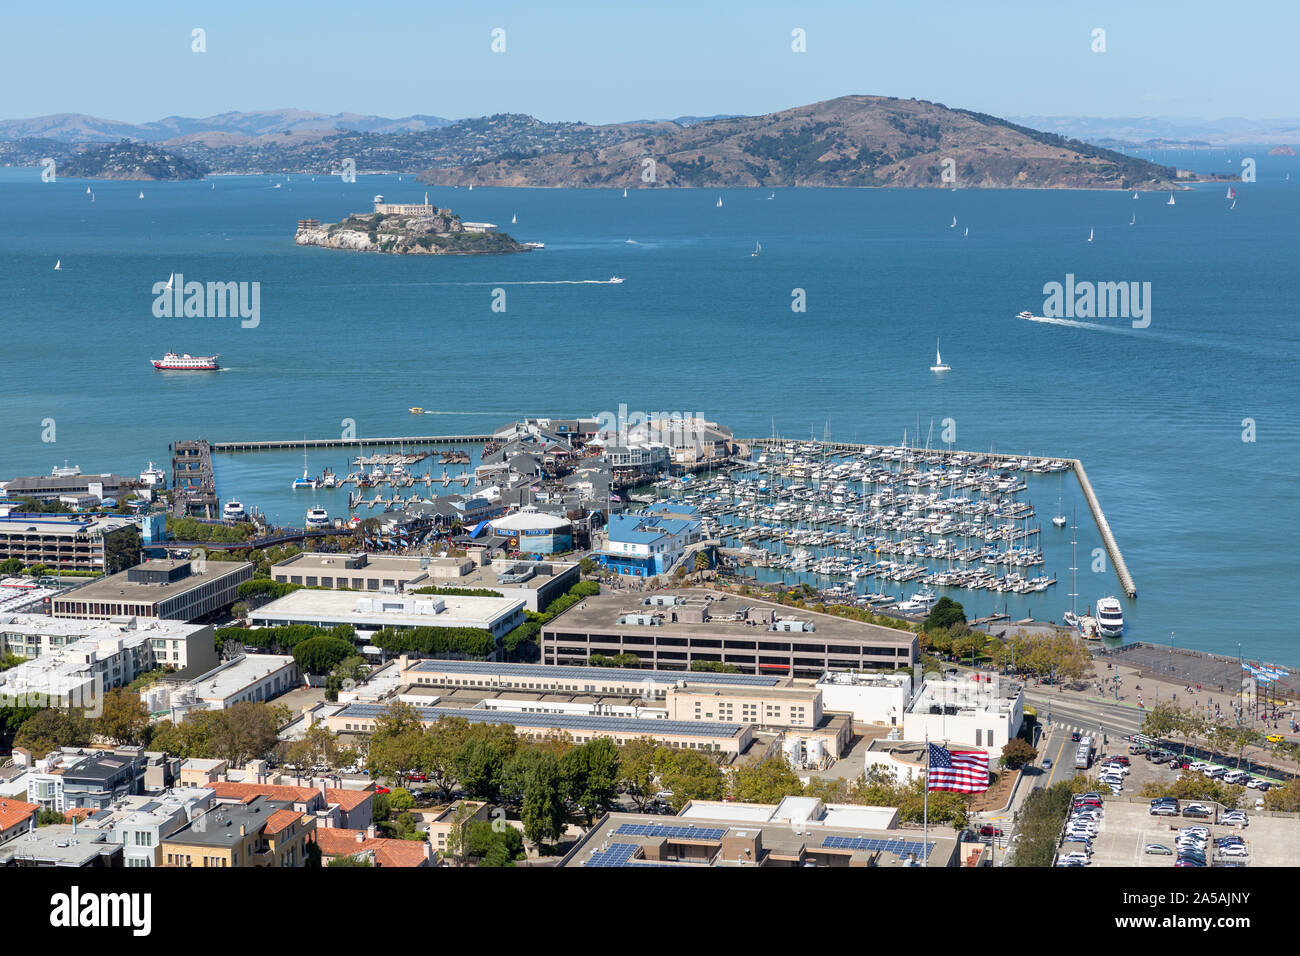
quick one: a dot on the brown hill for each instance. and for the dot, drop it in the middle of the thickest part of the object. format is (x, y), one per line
(849, 141)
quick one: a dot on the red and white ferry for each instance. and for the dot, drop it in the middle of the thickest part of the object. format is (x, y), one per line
(187, 363)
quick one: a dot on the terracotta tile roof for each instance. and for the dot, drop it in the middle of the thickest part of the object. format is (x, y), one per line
(279, 820)
(348, 800)
(14, 812)
(245, 792)
(338, 842)
(77, 813)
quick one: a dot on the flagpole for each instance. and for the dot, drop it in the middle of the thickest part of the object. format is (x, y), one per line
(925, 813)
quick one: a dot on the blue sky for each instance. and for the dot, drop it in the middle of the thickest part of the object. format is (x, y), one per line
(604, 62)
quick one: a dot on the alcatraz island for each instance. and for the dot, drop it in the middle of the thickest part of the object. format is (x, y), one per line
(409, 229)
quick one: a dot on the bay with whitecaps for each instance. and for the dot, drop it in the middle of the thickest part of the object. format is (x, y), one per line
(1188, 426)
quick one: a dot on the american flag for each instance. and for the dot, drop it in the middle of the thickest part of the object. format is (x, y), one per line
(962, 771)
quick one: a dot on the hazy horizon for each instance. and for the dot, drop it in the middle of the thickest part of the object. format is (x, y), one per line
(581, 62)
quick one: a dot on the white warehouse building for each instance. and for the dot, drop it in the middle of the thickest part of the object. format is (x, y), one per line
(871, 697)
(978, 711)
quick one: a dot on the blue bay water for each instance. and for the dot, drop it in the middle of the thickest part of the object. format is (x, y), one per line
(1205, 520)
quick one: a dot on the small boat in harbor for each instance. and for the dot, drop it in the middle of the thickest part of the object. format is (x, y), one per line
(318, 518)
(304, 481)
(233, 511)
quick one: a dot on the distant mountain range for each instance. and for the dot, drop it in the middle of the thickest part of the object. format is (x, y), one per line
(848, 141)
(1166, 129)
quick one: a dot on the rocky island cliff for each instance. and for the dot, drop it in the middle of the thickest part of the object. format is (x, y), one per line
(415, 229)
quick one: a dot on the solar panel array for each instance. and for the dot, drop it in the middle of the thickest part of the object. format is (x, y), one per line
(631, 726)
(676, 832)
(900, 848)
(565, 672)
(619, 854)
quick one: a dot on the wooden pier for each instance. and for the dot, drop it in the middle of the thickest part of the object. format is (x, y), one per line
(1099, 516)
(294, 444)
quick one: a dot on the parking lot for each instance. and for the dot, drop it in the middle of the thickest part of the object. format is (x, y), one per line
(1127, 827)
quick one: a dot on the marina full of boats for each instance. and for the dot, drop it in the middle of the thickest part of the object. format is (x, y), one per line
(882, 521)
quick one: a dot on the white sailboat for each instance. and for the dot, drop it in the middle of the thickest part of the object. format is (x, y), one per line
(1228, 194)
(953, 224)
(1135, 195)
(1071, 616)
(1233, 206)
(624, 193)
(966, 233)
(513, 219)
(87, 190)
(1171, 200)
(1059, 520)
(142, 194)
(171, 281)
(471, 187)
(92, 197)
(938, 365)
(758, 249)
(1134, 220)
(58, 265)
(1090, 235)
(719, 202)
(773, 195)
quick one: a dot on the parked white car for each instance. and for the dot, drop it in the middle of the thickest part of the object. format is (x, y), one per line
(1075, 856)
(1234, 850)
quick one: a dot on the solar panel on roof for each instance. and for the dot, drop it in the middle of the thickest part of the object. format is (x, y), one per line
(601, 673)
(901, 848)
(629, 725)
(673, 832)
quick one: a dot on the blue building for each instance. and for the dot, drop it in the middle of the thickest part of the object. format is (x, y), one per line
(643, 545)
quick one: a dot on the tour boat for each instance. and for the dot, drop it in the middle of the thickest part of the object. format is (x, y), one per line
(234, 511)
(318, 518)
(416, 410)
(1110, 617)
(1024, 315)
(152, 476)
(938, 365)
(171, 362)
(615, 280)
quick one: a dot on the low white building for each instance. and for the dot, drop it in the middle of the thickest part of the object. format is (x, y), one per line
(250, 677)
(976, 711)
(871, 697)
(373, 612)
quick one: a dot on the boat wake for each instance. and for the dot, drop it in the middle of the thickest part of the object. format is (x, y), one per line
(1075, 324)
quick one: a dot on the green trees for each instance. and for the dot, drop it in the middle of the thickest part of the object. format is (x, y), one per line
(51, 728)
(237, 734)
(716, 667)
(768, 782)
(540, 783)
(124, 718)
(474, 642)
(1038, 823)
(478, 765)
(945, 613)
(591, 775)
(1017, 753)
(636, 770)
(320, 655)
(493, 845)
(690, 775)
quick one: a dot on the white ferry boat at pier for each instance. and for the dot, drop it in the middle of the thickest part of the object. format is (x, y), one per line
(234, 511)
(1110, 617)
(317, 518)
